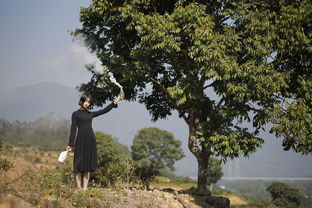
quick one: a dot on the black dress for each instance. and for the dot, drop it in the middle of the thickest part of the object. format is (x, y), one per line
(85, 155)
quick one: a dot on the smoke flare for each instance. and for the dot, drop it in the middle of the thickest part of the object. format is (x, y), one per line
(91, 61)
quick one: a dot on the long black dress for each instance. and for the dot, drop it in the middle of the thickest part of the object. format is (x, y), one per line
(85, 155)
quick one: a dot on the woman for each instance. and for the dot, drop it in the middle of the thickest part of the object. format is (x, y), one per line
(84, 144)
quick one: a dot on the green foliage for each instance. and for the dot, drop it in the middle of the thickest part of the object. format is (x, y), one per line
(37, 160)
(121, 170)
(284, 195)
(116, 166)
(5, 165)
(247, 53)
(106, 147)
(214, 170)
(159, 147)
(146, 172)
(281, 28)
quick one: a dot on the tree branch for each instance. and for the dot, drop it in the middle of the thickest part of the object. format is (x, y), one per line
(170, 100)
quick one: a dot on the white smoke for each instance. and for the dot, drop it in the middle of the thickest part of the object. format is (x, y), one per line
(91, 61)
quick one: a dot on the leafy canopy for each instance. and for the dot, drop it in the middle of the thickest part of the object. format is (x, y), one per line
(220, 64)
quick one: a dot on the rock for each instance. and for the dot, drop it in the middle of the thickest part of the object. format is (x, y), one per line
(197, 192)
(216, 201)
(170, 190)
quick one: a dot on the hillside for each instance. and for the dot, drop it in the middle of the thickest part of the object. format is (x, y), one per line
(37, 179)
(33, 182)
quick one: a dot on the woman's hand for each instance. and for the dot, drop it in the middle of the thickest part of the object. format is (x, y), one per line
(69, 148)
(121, 95)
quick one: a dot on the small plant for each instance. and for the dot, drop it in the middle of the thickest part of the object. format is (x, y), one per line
(5, 165)
(37, 160)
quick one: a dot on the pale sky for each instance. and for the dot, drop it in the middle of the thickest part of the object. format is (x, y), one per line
(36, 43)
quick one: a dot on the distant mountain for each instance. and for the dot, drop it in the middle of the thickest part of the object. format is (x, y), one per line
(31, 102)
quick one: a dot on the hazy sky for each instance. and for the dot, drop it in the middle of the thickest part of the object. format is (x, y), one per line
(36, 43)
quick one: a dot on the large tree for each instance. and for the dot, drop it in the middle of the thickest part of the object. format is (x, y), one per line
(222, 65)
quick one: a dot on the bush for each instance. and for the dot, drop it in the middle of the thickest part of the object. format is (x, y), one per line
(284, 195)
(5, 165)
(124, 170)
(118, 170)
(146, 173)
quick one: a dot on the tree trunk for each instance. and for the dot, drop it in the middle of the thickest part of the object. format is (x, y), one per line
(202, 155)
(202, 174)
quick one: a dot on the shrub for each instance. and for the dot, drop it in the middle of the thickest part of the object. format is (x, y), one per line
(118, 170)
(284, 195)
(5, 165)
(146, 173)
(124, 170)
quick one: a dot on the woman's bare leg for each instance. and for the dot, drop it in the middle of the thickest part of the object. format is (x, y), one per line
(86, 178)
(78, 179)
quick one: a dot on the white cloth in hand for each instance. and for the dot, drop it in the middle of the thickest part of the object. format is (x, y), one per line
(63, 156)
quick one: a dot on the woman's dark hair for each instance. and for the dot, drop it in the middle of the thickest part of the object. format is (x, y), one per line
(85, 97)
